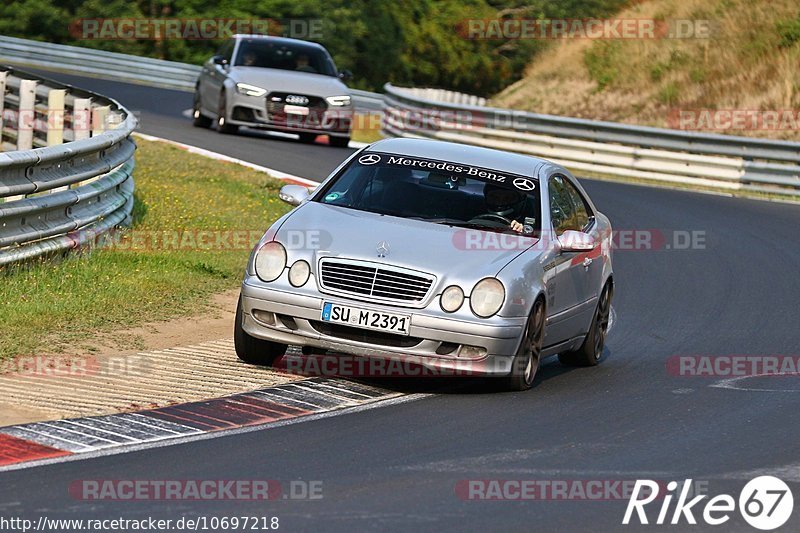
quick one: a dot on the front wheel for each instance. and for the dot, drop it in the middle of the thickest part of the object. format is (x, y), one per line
(592, 348)
(222, 118)
(199, 120)
(307, 138)
(338, 142)
(250, 349)
(526, 361)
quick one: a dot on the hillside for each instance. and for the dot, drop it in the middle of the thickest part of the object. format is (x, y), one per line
(751, 64)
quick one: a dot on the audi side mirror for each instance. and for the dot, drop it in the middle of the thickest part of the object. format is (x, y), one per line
(219, 60)
(345, 75)
(293, 194)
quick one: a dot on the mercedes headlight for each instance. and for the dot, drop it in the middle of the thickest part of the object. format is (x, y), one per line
(487, 297)
(250, 90)
(270, 261)
(338, 101)
(299, 273)
(452, 299)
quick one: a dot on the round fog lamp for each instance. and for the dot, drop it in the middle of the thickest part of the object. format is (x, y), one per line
(299, 273)
(452, 299)
(270, 261)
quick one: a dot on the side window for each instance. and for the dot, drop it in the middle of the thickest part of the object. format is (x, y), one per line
(561, 209)
(583, 214)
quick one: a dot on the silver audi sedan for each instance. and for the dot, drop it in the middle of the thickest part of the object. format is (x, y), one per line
(461, 259)
(277, 84)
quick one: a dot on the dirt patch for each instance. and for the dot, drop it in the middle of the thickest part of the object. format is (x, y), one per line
(214, 321)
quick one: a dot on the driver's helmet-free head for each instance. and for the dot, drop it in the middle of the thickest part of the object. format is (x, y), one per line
(249, 58)
(504, 202)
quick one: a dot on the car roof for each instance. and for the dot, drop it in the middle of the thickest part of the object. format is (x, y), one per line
(477, 156)
(278, 40)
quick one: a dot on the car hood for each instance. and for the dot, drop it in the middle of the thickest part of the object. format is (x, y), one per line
(451, 254)
(290, 81)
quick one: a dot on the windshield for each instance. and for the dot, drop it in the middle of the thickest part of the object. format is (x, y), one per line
(440, 192)
(299, 57)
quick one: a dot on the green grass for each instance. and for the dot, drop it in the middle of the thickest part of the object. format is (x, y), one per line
(57, 305)
(366, 128)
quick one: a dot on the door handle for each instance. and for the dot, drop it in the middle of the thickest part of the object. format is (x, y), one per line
(587, 262)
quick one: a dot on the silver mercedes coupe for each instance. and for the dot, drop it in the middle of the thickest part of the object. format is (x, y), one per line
(459, 258)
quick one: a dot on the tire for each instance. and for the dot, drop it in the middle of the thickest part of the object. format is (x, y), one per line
(591, 350)
(199, 120)
(222, 119)
(526, 361)
(307, 138)
(339, 142)
(252, 350)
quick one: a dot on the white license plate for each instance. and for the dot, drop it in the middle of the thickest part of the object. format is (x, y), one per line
(363, 318)
(295, 110)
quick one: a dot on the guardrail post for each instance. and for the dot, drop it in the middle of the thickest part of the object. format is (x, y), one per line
(55, 116)
(3, 76)
(81, 118)
(99, 118)
(27, 110)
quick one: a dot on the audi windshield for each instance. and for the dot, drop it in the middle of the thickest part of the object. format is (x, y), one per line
(440, 192)
(282, 55)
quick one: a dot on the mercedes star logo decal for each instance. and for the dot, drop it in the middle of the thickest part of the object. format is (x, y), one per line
(369, 159)
(383, 249)
(524, 184)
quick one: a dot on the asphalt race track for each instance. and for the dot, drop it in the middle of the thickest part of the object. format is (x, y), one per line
(397, 467)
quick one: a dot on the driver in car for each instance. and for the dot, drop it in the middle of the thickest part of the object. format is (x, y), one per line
(506, 205)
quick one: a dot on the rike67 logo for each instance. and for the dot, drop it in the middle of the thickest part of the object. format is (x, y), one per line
(765, 503)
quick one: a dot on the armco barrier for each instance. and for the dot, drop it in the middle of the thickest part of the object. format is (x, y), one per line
(65, 166)
(124, 67)
(707, 160)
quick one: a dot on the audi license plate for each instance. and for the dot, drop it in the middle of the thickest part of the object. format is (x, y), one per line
(362, 318)
(295, 110)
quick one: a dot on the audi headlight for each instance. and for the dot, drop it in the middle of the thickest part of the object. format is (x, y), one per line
(452, 299)
(250, 90)
(270, 261)
(299, 273)
(338, 101)
(487, 297)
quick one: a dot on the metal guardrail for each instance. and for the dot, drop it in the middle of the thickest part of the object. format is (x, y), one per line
(66, 160)
(658, 154)
(124, 67)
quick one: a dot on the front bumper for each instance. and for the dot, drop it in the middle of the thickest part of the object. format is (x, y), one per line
(252, 112)
(482, 348)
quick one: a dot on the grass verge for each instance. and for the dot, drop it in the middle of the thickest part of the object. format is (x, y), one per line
(367, 128)
(60, 306)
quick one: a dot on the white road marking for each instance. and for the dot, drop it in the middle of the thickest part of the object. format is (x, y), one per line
(733, 383)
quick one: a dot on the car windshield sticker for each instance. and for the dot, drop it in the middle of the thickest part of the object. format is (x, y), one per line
(524, 184)
(332, 196)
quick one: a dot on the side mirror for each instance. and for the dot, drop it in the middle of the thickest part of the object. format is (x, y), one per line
(345, 75)
(293, 194)
(219, 60)
(576, 241)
